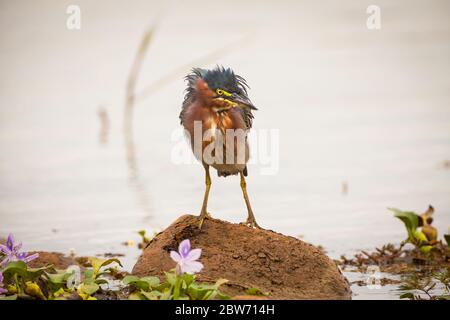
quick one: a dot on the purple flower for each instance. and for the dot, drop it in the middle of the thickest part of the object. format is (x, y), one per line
(1, 284)
(186, 258)
(11, 251)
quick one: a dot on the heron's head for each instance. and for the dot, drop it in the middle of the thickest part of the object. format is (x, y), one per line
(219, 88)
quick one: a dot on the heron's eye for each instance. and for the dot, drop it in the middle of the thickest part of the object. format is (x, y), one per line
(222, 92)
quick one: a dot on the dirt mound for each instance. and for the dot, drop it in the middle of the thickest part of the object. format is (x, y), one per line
(57, 260)
(285, 267)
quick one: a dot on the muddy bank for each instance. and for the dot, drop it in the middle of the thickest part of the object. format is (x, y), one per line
(284, 267)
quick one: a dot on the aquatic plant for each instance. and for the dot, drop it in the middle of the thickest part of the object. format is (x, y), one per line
(179, 283)
(186, 258)
(10, 251)
(100, 279)
(420, 287)
(420, 231)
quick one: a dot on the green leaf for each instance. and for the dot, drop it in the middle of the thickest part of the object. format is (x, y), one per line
(188, 279)
(12, 297)
(98, 263)
(220, 282)
(136, 296)
(101, 281)
(410, 219)
(15, 267)
(151, 280)
(153, 295)
(129, 279)
(171, 278)
(407, 295)
(426, 249)
(200, 291)
(255, 292)
(89, 289)
(166, 294)
(35, 273)
(59, 293)
(144, 283)
(89, 276)
(33, 290)
(223, 296)
(141, 233)
(59, 278)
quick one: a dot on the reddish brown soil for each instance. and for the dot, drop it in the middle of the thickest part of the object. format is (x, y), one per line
(285, 267)
(57, 260)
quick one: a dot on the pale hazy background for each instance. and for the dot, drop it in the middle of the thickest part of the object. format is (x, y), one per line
(357, 106)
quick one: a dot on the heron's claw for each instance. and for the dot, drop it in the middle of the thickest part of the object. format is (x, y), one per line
(251, 223)
(203, 216)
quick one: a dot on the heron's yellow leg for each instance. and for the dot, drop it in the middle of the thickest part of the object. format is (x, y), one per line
(251, 221)
(204, 213)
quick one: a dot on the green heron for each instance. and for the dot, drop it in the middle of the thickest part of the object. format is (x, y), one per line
(217, 100)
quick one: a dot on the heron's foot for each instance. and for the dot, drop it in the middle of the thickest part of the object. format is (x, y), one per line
(251, 223)
(203, 216)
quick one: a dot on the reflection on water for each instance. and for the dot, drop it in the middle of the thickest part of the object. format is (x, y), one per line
(104, 126)
(363, 115)
(135, 182)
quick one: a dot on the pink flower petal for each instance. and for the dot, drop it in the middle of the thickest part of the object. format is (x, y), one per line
(10, 242)
(184, 248)
(192, 267)
(4, 249)
(31, 257)
(194, 255)
(175, 256)
(17, 247)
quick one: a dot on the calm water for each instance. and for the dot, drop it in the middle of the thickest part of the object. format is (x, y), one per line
(370, 109)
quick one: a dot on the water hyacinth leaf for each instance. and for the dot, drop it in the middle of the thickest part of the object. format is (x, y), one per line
(420, 236)
(188, 279)
(33, 289)
(58, 278)
(15, 267)
(85, 296)
(152, 281)
(98, 263)
(129, 279)
(152, 295)
(101, 281)
(37, 272)
(145, 239)
(223, 296)
(59, 292)
(407, 295)
(426, 249)
(142, 283)
(89, 276)
(136, 296)
(166, 294)
(255, 292)
(89, 289)
(199, 291)
(410, 219)
(141, 233)
(171, 278)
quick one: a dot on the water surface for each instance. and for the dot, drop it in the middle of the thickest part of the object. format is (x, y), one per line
(369, 109)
